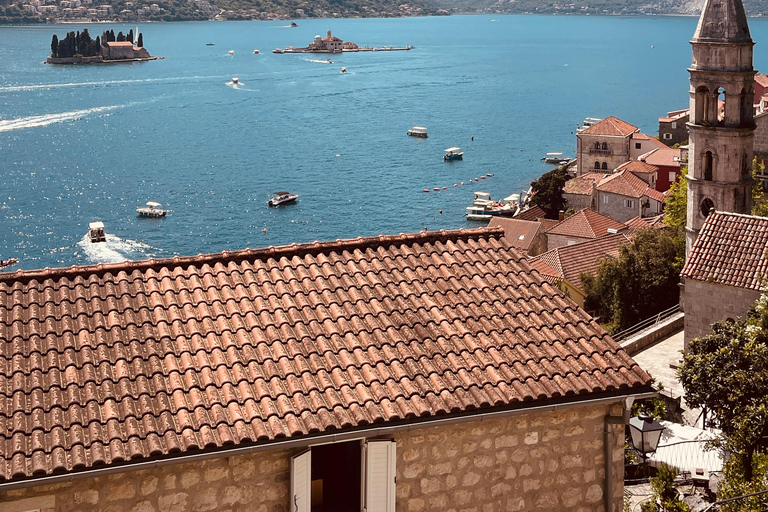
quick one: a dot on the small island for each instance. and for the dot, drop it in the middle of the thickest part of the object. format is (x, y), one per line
(332, 44)
(80, 48)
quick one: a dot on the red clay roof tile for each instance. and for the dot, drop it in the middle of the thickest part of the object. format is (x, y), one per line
(586, 223)
(137, 360)
(610, 126)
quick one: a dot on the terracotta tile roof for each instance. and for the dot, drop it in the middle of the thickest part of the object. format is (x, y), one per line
(662, 157)
(762, 79)
(656, 222)
(548, 224)
(532, 213)
(648, 138)
(674, 115)
(731, 250)
(570, 261)
(610, 126)
(638, 167)
(119, 363)
(582, 185)
(586, 223)
(627, 184)
(120, 43)
(519, 233)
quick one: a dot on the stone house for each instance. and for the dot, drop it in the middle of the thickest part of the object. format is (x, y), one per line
(604, 145)
(528, 237)
(582, 226)
(623, 196)
(673, 128)
(725, 271)
(407, 373)
(563, 266)
(640, 144)
(760, 100)
(581, 191)
(668, 162)
(646, 172)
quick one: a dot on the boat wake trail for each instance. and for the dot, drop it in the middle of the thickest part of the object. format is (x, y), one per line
(20, 123)
(114, 250)
(18, 88)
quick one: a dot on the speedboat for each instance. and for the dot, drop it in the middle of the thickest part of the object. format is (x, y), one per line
(294, 24)
(231, 52)
(555, 158)
(96, 232)
(152, 209)
(418, 131)
(255, 52)
(329, 61)
(477, 213)
(210, 44)
(282, 197)
(235, 80)
(453, 153)
(8, 262)
(481, 199)
(343, 70)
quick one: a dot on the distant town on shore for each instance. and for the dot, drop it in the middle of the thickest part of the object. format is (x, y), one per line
(83, 11)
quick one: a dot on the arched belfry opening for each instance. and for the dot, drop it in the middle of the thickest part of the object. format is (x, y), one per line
(707, 163)
(701, 114)
(719, 105)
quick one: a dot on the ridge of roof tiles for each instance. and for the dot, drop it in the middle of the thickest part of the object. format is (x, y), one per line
(519, 233)
(610, 126)
(638, 166)
(663, 157)
(570, 261)
(730, 250)
(625, 183)
(586, 223)
(533, 213)
(122, 363)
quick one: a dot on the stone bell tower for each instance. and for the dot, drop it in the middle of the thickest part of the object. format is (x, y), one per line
(721, 126)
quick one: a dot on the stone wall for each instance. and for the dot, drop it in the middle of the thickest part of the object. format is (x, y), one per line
(616, 153)
(254, 483)
(555, 241)
(543, 461)
(707, 303)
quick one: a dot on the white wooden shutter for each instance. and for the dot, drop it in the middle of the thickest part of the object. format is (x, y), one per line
(380, 476)
(301, 482)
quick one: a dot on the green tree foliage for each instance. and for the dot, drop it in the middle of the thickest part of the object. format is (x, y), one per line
(759, 196)
(75, 43)
(676, 203)
(548, 191)
(726, 372)
(120, 37)
(641, 282)
(664, 493)
(129, 37)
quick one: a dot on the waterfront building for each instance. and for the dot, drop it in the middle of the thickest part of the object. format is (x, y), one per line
(673, 128)
(720, 144)
(329, 43)
(398, 373)
(604, 146)
(623, 196)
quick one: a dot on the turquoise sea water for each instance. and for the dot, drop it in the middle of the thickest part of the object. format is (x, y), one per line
(80, 143)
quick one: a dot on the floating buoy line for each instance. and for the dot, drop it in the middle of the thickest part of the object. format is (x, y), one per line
(438, 189)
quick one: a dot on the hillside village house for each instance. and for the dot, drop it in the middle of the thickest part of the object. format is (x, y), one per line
(640, 144)
(668, 161)
(623, 196)
(604, 145)
(528, 237)
(394, 373)
(580, 191)
(725, 271)
(673, 128)
(580, 227)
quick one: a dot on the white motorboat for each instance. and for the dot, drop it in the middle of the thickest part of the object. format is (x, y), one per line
(255, 52)
(231, 52)
(343, 70)
(477, 213)
(453, 153)
(96, 232)
(278, 50)
(152, 209)
(235, 80)
(418, 131)
(282, 197)
(481, 198)
(555, 158)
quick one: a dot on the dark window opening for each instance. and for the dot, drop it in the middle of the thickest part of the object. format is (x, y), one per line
(597, 165)
(707, 164)
(605, 166)
(597, 145)
(605, 146)
(707, 206)
(336, 470)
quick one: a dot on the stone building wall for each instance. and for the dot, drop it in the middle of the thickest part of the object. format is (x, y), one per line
(707, 303)
(761, 136)
(555, 241)
(544, 461)
(615, 206)
(580, 201)
(617, 152)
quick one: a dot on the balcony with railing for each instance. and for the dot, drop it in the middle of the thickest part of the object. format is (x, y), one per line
(602, 152)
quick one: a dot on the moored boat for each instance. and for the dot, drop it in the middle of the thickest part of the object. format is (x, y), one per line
(282, 197)
(453, 153)
(8, 262)
(418, 131)
(278, 50)
(255, 52)
(231, 52)
(152, 209)
(477, 213)
(96, 232)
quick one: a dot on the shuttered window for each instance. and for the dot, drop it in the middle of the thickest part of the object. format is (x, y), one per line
(380, 476)
(301, 482)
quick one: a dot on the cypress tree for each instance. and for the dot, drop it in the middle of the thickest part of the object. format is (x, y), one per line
(54, 46)
(141, 40)
(78, 43)
(129, 37)
(120, 37)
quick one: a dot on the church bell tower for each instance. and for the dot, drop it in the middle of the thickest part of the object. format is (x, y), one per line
(721, 125)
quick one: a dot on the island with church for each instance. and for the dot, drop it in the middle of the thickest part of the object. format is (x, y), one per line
(81, 48)
(332, 44)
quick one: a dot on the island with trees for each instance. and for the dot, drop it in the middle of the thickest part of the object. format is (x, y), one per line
(80, 48)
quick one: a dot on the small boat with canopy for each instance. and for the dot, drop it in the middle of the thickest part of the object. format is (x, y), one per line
(282, 197)
(152, 209)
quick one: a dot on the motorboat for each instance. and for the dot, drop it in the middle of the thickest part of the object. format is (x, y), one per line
(329, 61)
(231, 52)
(477, 213)
(453, 153)
(235, 80)
(481, 198)
(278, 50)
(343, 70)
(96, 232)
(294, 24)
(8, 262)
(555, 158)
(210, 44)
(418, 131)
(255, 52)
(589, 121)
(282, 197)
(152, 209)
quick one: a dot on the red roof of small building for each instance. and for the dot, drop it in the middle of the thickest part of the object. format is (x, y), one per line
(610, 126)
(532, 213)
(730, 250)
(762, 79)
(586, 223)
(625, 183)
(638, 167)
(570, 261)
(675, 115)
(119, 363)
(582, 185)
(638, 223)
(519, 233)
(120, 43)
(662, 157)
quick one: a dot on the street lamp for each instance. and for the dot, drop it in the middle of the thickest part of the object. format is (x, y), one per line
(646, 432)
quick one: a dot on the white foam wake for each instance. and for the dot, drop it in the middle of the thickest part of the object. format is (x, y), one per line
(8, 125)
(34, 87)
(114, 250)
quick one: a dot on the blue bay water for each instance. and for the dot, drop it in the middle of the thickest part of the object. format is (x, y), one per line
(81, 143)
